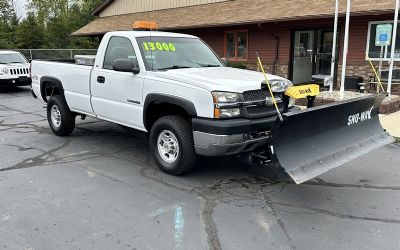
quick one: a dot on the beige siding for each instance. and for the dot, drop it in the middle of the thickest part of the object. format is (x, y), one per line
(135, 6)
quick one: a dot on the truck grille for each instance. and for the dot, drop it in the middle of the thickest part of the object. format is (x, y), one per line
(24, 71)
(260, 110)
(255, 95)
(263, 110)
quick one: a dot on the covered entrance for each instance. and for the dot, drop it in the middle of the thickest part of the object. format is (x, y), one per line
(311, 54)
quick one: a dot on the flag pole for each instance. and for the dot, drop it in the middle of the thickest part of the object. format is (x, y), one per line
(334, 45)
(396, 17)
(345, 50)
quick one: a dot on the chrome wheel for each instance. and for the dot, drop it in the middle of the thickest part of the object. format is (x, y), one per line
(168, 146)
(55, 116)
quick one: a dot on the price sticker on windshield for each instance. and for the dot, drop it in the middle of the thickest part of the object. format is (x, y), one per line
(157, 46)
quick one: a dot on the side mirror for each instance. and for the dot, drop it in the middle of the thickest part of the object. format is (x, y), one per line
(225, 61)
(126, 65)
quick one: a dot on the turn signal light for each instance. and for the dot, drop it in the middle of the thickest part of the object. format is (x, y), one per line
(145, 25)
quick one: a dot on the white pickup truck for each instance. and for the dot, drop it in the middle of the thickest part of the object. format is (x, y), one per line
(177, 89)
(170, 85)
(14, 69)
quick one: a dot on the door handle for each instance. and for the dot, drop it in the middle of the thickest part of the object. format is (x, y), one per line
(101, 79)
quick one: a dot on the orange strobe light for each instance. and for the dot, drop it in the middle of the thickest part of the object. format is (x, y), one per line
(145, 25)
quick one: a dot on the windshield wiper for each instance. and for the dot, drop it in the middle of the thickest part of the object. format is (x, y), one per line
(206, 65)
(14, 62)
(210, 65)
(175, 67)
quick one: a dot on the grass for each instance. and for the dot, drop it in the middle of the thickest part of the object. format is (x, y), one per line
(397, 139)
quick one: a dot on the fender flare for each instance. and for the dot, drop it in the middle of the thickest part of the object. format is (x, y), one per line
(54, 82)
(187, 105)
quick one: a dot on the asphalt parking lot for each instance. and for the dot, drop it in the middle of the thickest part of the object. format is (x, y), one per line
(99, 189)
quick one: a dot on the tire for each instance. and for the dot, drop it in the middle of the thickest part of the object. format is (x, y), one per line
(60, 118)
(175, 130)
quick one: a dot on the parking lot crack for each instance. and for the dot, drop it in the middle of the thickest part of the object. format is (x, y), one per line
(210, 203)
(343, 216)
(320, 182)
(37, 160)
(282, 225)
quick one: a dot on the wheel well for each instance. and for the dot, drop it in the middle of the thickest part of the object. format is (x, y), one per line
(50, 88)
(156, 110)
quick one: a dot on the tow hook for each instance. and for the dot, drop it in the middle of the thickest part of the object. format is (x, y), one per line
(83, 117)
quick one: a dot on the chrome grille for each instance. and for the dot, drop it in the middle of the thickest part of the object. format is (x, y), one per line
(255, 95)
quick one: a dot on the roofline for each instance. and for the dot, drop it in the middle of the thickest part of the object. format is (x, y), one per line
(101, 7)
(357, 13)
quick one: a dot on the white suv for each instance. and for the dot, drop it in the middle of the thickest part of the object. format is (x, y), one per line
(14, 69)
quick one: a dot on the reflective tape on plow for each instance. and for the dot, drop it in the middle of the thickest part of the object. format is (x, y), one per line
(311, 142)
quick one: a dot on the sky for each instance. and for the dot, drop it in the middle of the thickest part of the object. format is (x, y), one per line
(20, 7)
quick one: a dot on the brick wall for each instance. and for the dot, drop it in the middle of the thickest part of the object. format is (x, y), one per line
(280, 69)
(365, 70)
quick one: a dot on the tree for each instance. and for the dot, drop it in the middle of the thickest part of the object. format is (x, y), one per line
(8, 24)
(30, 35)
(48, 24)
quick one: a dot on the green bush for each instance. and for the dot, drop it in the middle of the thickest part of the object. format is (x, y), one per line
(237, 65)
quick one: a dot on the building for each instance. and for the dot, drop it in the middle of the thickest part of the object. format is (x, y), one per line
(293, 37)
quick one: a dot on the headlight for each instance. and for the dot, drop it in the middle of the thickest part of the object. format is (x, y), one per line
(226, 113)
(226, 105)
(4, 71)
(278, 86)
(225, 97)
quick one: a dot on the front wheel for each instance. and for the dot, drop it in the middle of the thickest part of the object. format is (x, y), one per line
(172, 146)
(60, 118)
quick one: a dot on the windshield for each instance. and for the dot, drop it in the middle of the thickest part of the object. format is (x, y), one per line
(163, 53)
(12, 58)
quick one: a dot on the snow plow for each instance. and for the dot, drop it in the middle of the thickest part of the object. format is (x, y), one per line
(308, 143)
(313, 141)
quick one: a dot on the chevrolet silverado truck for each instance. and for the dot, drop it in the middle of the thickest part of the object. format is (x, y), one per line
(175, 88)
(14, 69)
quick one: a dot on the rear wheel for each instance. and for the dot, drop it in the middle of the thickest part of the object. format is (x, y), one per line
(60, 118)
(171, 144)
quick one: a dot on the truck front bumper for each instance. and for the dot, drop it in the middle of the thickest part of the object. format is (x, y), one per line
(227, 137)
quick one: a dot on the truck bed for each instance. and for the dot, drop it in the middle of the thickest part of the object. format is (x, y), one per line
(74, 78)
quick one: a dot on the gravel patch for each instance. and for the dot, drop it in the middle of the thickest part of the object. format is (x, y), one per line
(336, 95)
(349, 95)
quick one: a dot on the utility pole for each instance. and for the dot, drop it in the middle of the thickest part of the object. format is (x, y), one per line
(345, 50)
(334, 45)
(396, 17)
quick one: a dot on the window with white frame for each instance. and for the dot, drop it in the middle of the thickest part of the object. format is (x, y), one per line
(374, 51)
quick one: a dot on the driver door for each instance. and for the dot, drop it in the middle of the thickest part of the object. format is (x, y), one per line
(117, 96)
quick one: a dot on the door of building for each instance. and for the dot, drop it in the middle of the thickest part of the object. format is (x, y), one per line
(312, 54)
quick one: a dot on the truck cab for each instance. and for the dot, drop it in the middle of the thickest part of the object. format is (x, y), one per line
(14, 69)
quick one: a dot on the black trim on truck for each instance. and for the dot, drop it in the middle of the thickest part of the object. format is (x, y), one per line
(233, 126)
(162, 98)
(54, 82)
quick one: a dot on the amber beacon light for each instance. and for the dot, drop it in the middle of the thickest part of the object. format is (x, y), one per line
(145, 25)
